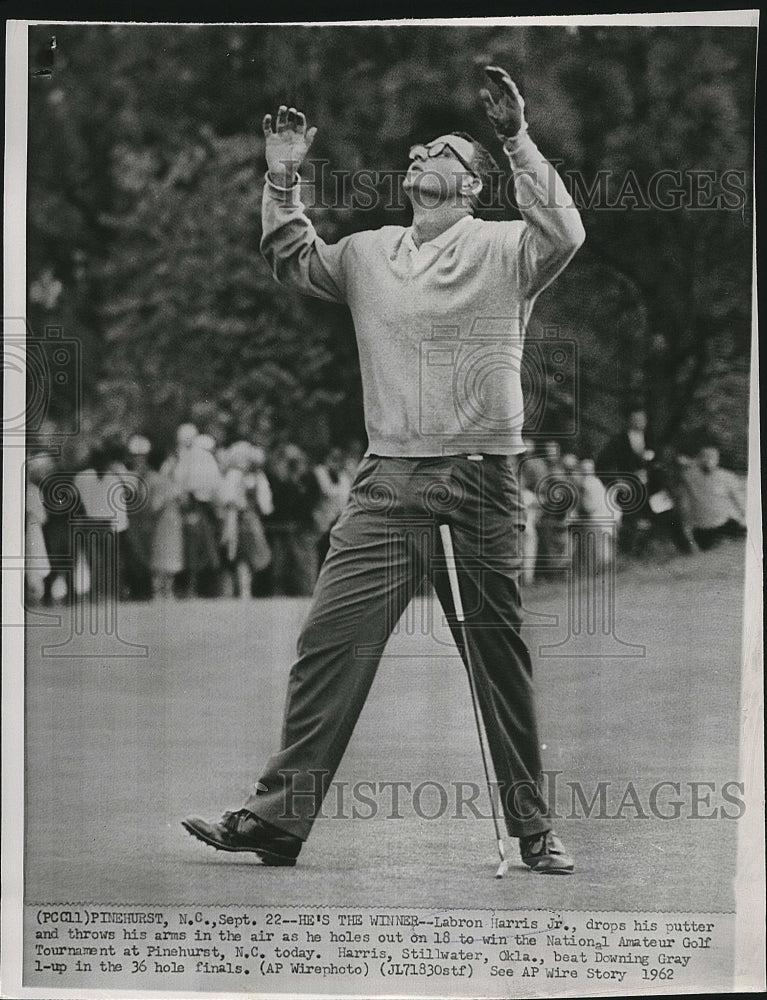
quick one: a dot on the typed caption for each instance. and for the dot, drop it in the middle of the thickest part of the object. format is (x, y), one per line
(268, 949)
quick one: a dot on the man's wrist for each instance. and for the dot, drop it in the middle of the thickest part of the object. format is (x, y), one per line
(510, 141)
(280, 180)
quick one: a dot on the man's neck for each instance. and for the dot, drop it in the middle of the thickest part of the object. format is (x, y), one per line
(428, 223)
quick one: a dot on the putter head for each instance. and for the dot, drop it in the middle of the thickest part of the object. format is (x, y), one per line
(502, 868)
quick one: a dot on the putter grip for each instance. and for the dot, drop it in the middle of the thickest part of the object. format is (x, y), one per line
(452, 572)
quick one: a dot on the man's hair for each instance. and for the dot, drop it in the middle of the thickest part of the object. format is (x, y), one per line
(705, 439)
(486, 169)
(634, 406)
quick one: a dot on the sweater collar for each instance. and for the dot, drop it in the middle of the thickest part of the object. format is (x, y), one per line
(440, 241)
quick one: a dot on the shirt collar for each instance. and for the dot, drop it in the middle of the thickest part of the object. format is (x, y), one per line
(439, 241)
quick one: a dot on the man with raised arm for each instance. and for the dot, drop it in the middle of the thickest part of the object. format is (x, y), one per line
(439, 310)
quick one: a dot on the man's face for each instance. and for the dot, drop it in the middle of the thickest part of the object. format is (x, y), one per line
(708, 459)
(185, 437)
(335, 460)
(638, 420)
(434, 179)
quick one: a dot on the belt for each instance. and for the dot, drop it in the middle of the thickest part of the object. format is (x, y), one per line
(469, 456)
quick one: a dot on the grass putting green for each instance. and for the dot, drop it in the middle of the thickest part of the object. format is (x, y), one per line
(120, 749)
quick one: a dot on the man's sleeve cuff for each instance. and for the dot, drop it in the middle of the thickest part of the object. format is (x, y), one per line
(519, 146)
(277, 187)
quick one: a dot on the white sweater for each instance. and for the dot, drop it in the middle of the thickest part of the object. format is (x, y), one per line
(439, 328)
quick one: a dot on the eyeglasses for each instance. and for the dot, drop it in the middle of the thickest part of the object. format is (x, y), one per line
(422, 152)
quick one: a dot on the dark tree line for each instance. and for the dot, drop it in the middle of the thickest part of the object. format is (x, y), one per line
(145, 177)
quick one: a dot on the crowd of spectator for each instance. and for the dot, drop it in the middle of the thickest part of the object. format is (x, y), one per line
(203, 520)
(632, 499)
(208, 520)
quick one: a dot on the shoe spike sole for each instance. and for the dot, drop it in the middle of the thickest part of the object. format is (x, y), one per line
(268, 858)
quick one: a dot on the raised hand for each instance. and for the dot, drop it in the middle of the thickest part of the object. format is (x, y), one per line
(507, 112)
(286, 144)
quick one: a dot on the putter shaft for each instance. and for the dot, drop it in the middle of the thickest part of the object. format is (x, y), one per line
(452, 572)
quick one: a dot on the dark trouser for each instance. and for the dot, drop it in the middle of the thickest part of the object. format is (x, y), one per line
(634, 533)
(294, 559)
(670, 524)
(135, 573)
(382, 547)
(200, 575)
(56, 533)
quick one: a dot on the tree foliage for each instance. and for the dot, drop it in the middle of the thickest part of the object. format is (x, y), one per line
(145, 176)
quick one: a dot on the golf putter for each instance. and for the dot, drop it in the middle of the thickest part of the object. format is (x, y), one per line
(452, 572)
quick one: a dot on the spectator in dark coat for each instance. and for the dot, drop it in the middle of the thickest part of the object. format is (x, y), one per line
(552, 519)
(295, 495)
(626, 459)
(669, 500)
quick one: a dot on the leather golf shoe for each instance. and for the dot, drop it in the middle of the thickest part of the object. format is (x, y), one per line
(545, 854)
(244, 831)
